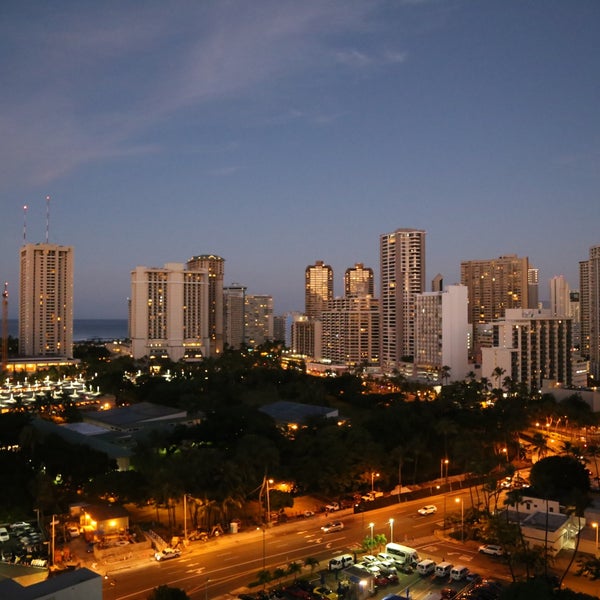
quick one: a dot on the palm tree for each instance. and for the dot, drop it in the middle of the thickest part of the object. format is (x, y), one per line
(264, 576)
(294, 568)
(540, 444)
(445, 373)
(497, 373)
(312, 562)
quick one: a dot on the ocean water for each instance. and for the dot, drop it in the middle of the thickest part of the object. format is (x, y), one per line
(87, 329)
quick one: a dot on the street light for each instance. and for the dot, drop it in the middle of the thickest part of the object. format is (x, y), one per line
(371, 525)
(268, 481)
(373, 475)
(462, 519)
(595, 526)
(391, 530)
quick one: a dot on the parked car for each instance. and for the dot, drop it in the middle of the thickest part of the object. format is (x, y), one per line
(308, 513)
(332, 526)
(332, 506)
(4, 537)
(428, 510)
(167, 554)
(492, 549)
(325, 592)
(73, 531)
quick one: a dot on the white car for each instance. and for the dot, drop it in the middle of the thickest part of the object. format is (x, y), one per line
(491, 549)
(167, 554)
(73, 531)
(332, 526)
(4, 537)
(428, 510)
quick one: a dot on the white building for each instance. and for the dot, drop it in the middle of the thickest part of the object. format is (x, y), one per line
(560, 297)
(442, 331)
(169, 312)
(46, 301)
(530, 346)
(589, 273)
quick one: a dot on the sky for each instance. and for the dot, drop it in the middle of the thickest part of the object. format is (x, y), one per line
(275, 133)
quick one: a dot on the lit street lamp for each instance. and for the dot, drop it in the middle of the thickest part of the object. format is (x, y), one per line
(595, 526)
(371, 525)
(373, 475)
(392, 530)
(462, 519)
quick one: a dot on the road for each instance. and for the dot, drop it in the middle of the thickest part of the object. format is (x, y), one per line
(212, 569)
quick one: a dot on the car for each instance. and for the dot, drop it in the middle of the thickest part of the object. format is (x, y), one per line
(332, 507)
(369, 558)
(308, 513)
(491, 549)
(324, 592)
(4, 537)
(332, 526)
(20, 525)
(167, 554)
(473, 577)
(381, 581)
(73, 531)
(430, 509)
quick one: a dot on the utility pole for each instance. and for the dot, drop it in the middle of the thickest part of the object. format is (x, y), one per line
(5, 326)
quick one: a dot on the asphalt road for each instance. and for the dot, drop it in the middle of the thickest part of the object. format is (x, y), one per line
(229, 563)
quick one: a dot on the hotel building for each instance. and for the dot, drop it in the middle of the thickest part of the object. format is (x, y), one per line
(589, 289)
(169, 312)
(318, 289)
(46, 301)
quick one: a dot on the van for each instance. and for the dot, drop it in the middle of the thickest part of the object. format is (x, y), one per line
(425, 567)
(443, 569)
(403, 555)
(458, 573)
(341, 562)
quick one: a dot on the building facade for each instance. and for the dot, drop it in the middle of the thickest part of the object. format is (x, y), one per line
(494, 286)
(46, 301)
(560, 303)
(530, 346)
(442, 332)
(215, 266)
(306, 336)
(234, 301)
(402, 264)
(169, 312)
(359, 281)
(318, 289)
(350, 331)
(589, 288)
(258, 317)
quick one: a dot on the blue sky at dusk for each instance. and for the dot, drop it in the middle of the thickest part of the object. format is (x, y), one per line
(275, 133)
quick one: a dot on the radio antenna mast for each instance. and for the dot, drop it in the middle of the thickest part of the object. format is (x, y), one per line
(47, 217)
(25, 224)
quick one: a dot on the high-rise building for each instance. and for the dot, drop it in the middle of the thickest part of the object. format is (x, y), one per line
(279, 329)
(169, 312)
(560, 297)
(442, 332)
(350, 334)
(533, 296)
(258, 318)
(530, 346)
(358, 281)
(215, 265)
(494, 286)
(589, 273)
(306, 335)
(234, 301)
(402, 263)
(318, 288)
(46, 301)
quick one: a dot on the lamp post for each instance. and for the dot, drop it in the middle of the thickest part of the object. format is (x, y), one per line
(391, 530)
(371, 526)
(373, 475)
(462, 519)
(595, 526)
(269, 501)
(184, 518)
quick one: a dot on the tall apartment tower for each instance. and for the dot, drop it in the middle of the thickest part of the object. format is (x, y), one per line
(258, 317)
(533, 287)
(494, 286)
(589, 289)
(402, 263)
(358, 281)
(234, 300)
(215, 265)
(560, 297)
(46, 301)
(169, 312)
(318, 289)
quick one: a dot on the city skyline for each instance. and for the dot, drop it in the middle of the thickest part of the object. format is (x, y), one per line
(276, 134)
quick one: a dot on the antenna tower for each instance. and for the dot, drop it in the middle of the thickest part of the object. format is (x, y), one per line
(47, 217)
(25, 224)
(5, 326)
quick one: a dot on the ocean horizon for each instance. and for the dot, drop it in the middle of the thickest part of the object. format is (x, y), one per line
(87, 329)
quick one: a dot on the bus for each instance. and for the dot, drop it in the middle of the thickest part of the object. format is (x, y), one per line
(402, 554)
